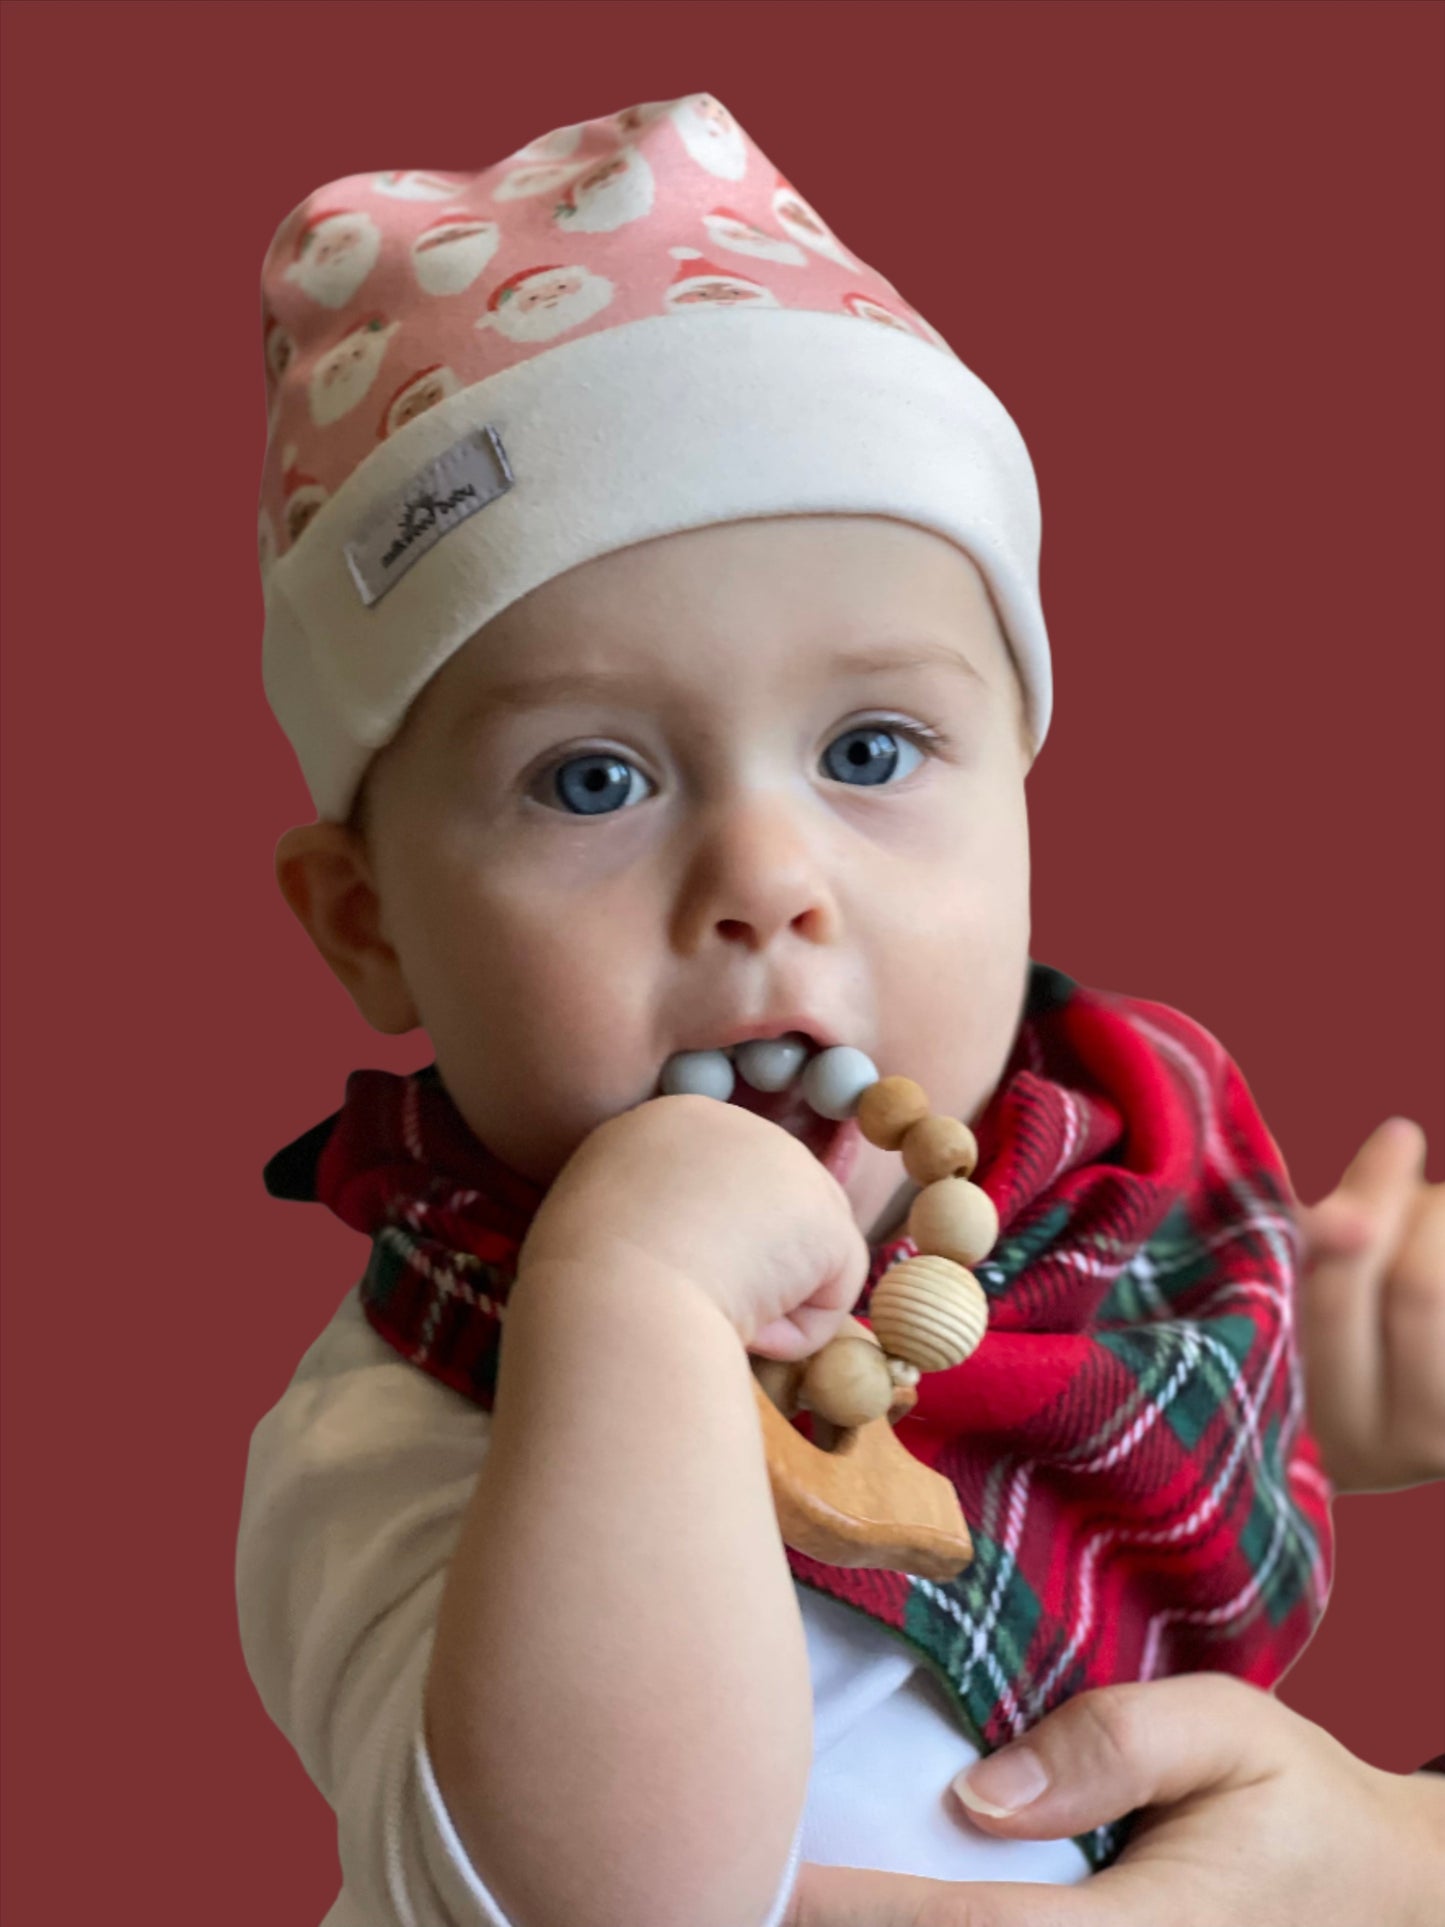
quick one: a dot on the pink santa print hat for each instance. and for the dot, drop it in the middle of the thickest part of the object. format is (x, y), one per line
(579, 375)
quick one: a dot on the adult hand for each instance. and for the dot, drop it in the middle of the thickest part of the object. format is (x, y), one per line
(1372, 1317)
(1254, 1814)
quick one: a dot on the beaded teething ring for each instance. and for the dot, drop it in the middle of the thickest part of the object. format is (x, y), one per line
(854, 1496)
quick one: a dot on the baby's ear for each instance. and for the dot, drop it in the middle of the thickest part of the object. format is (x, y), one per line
(326, 878)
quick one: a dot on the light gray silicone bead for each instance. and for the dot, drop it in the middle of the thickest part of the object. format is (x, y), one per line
(698, 1073)
(770, 1063)
(836, 1079)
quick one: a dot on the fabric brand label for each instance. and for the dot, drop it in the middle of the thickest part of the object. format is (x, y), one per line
(437, 499)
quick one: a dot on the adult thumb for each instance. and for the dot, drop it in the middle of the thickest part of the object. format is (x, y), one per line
(1382, 1175)
(1117, 1748)
(1348, 1238)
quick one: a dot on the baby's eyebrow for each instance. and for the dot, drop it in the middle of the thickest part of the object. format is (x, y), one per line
(540, 692)
(915, 655)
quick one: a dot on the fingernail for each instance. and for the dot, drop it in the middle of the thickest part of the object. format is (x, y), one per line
(1004, 1782)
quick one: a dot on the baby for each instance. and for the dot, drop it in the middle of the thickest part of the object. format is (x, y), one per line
(665, 676)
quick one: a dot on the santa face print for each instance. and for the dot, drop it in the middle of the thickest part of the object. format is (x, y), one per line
(336, 256)
(741, 237)
(266, 542)
(448, 256)
(302, 505)
(523, 182)
(799, 220)
(632, 120)
(712, 137)
(280, 349)
(413, 185)
(416, 396)
(718, 291)
(867, 310)
(608, 195)
(807, 783)
(343, 376)
(547, 303)
(555, 146)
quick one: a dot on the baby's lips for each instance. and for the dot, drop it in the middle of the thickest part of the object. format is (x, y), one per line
(841, 1154)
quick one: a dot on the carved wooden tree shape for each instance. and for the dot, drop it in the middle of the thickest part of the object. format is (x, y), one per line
(865, 1502)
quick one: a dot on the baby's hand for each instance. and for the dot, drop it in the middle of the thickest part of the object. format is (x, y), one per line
(727, 1201)
(1372, 1317)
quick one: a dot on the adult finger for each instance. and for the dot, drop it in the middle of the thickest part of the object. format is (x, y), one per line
(1418, 1273)
(1120, 1747)
(1385, 1171)
(1414, 1327)
(1334, 1228)
(865, 1897)
(1341, 1291)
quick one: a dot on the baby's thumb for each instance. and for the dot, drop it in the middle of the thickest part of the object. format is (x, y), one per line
(1112, 1750)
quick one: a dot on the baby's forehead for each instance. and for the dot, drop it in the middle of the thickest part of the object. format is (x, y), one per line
(594, 670)
(487, 691)
(752, 619)
(806, 598)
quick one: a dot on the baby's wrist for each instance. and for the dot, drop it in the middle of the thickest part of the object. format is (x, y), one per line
(637, 1279)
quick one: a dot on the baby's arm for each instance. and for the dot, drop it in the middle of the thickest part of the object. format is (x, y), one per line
(622, 1678)
(618, 1709)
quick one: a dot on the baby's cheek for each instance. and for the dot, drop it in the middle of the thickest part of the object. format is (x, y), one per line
(959, 987)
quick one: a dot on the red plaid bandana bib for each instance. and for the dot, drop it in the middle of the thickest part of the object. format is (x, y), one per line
(1128, 1443)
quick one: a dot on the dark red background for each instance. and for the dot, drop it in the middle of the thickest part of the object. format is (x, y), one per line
(1196, 249)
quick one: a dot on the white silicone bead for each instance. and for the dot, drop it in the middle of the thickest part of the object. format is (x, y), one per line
(836, 1079)
(698, 1073)
(770, 1063)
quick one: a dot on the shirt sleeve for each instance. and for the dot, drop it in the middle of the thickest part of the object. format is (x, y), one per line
(356, 1484)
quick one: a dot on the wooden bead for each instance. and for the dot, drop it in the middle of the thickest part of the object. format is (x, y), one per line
(848, 1382)
(954, 1219)
(852, 1327)
(939, 1147)
(890, 1108)
(929, 1311)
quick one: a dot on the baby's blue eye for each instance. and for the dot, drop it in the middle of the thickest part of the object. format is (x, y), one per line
(599, 783)
(871, 754)
(593, 783)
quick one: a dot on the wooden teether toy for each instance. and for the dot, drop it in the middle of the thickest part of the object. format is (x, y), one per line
(853, 1495)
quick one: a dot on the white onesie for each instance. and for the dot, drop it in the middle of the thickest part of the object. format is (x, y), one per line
(355, 1488)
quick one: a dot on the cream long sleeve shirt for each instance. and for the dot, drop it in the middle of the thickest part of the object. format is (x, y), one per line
(356, 1484)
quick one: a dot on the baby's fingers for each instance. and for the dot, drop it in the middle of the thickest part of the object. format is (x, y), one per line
(805, 1330)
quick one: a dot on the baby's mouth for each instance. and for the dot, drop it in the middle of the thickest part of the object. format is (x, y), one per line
(811, 1094)
(791, 1111)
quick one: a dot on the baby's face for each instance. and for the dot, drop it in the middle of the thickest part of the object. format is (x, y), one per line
(730, 819)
